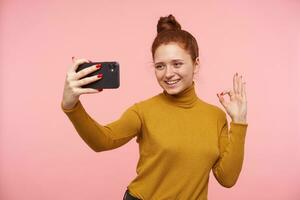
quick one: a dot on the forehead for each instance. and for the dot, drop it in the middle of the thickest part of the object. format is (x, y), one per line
(170, 51)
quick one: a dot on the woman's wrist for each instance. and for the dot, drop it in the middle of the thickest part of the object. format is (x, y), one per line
(239, 120)
(68, 106)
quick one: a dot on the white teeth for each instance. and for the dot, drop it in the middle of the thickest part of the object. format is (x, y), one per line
(172, 82)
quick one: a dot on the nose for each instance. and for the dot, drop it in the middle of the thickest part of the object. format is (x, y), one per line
(169, 72)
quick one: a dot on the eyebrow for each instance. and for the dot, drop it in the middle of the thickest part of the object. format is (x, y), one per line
(171, 61)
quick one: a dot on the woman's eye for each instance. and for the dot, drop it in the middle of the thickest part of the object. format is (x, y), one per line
(158, 66)
(178, 64)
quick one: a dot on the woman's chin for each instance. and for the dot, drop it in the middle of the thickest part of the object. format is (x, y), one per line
(172, 90)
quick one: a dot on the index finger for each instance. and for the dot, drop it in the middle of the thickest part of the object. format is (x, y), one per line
(77, 62)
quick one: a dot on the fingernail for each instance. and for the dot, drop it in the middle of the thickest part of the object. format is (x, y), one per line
(98, 65)
(100, 75)
(89, 61)
(73, 57)
(221, 93)
(99, 89)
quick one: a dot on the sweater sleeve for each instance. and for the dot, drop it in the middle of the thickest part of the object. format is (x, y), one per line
(105, 137)
(231, 147)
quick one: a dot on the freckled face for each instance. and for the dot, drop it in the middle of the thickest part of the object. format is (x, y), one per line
(174, 68)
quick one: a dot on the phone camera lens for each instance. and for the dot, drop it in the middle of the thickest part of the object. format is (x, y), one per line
(112, 67)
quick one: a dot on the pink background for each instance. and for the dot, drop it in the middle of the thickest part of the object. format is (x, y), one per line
(41, 155)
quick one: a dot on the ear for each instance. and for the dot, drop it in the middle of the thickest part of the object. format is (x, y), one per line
(196, 65)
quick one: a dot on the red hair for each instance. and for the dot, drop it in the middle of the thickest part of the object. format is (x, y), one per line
(169, 30)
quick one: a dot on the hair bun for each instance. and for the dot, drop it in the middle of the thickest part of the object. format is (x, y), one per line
(167, 23)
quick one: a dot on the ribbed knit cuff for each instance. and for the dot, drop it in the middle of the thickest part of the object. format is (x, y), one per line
(238, 129)
(238, 124)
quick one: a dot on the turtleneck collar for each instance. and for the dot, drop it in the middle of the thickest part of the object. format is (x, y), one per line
(186, 98)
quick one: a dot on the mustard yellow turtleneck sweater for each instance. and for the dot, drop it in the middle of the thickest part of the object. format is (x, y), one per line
(181, 138)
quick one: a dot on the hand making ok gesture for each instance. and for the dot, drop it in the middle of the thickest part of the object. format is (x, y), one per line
(236, 107)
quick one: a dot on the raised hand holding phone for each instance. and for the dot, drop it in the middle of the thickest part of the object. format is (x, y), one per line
(110, 72)
(75, 80)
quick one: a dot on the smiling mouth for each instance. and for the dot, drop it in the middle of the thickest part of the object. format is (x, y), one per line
(172, 82)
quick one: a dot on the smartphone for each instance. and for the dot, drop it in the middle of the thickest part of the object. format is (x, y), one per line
(110, 78)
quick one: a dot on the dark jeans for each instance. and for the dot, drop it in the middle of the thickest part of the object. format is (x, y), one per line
(128, 196)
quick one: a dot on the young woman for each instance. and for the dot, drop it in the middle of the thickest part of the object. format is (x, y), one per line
(181, 137)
